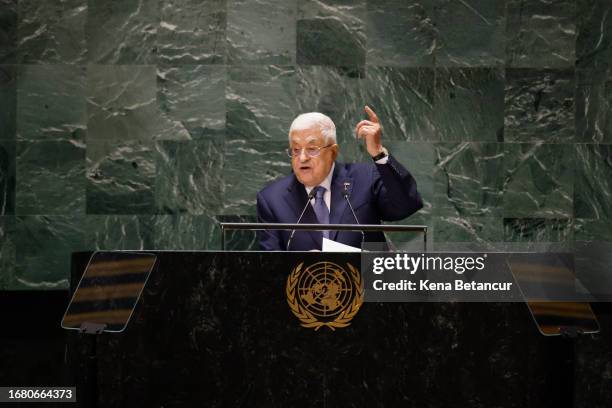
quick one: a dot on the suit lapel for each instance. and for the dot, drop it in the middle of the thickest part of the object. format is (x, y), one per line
(296, 197)
(338, 202)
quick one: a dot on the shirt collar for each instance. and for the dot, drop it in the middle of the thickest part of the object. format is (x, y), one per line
(325, 183)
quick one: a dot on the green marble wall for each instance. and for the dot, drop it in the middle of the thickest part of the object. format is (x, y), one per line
(137, 124)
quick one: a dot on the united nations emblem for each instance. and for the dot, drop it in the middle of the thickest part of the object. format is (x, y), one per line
(324, 294)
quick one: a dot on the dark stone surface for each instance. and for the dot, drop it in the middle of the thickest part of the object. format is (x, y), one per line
(52, 32)
(401, 32)
(121, 178)
(8, 102)
(192, 99)
(7, 177)
(261, 32)
(536, 183)
(539, 106)
(469, 104)
(121, 103)
(191, 32)
(541, 33)
(468, 179)
(405, 98)
(592, 230)
(594, 71)
(214, 328)
(260, 162)
(480, 45)
(537, 230)
(8, 31)
(106, 232)
(51, 103)
(593, 105)
(594, 33)
(189, 178)
(44, 244)
(122, 32)
(187, 232)
(460, 228)
(331, 32)
(52, 178)
(339, 93)
(260, 103)
(593, 181)
(7, 251)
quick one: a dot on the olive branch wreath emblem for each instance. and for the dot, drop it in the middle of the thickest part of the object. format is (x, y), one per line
(309, 320)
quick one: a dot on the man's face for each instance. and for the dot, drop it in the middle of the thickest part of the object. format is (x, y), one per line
(311, 171)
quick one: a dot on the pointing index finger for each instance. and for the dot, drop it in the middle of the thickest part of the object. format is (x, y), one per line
(371, 114)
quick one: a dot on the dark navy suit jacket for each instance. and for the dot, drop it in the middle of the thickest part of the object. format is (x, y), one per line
(378, 192)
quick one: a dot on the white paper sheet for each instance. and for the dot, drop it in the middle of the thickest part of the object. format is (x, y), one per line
(333, 246)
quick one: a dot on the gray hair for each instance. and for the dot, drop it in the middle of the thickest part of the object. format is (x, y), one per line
(310, 119)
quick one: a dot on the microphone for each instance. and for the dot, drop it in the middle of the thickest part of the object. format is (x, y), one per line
(310, 197)
(346, 194)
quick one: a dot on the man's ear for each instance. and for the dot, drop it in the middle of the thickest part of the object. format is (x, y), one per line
(335, 150)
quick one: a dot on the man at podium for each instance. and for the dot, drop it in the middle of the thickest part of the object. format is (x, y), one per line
(319, 189)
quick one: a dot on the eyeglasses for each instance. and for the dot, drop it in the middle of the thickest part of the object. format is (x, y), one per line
(310, 151)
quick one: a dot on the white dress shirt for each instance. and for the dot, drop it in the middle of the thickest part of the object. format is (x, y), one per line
(384, 160)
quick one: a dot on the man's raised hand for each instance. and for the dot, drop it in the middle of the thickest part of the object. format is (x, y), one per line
(370, 130)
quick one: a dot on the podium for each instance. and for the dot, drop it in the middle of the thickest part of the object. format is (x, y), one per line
(214, 329)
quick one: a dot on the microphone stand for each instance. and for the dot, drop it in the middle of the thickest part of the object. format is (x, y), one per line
(346, 194)
(310, 197)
